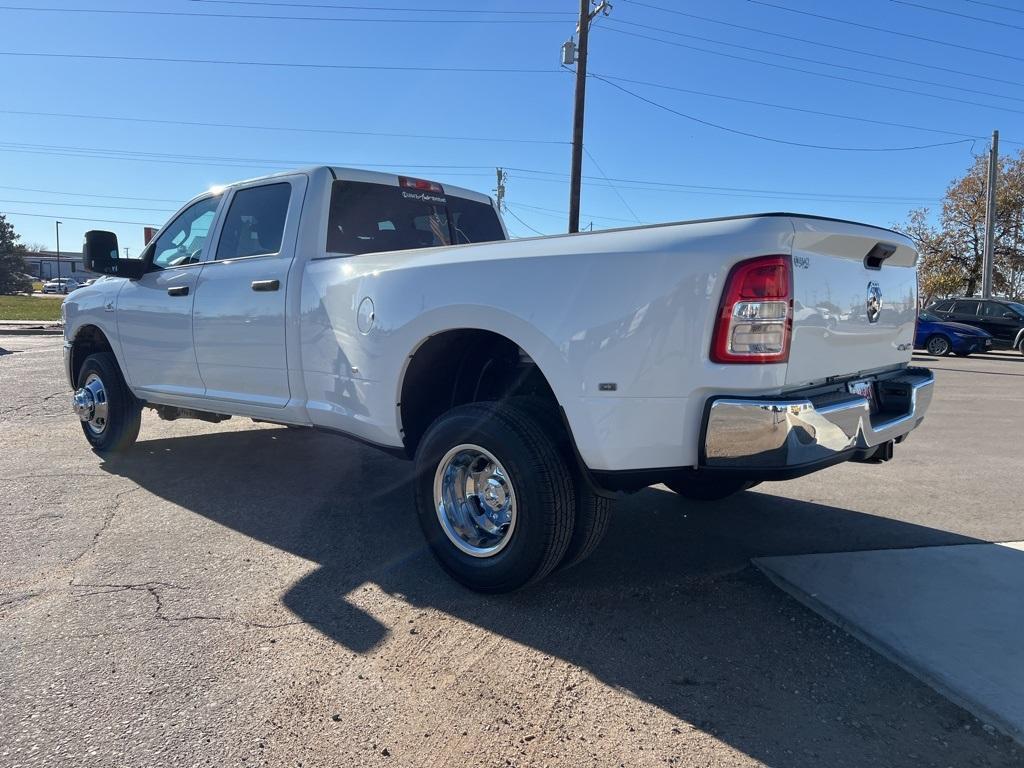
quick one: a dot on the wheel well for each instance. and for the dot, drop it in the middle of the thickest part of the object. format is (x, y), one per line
(464, 366)
(88, 341)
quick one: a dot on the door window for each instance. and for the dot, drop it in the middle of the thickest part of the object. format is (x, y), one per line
(994, 310)
(943, 306)
(254, 224)
(966, 307)
(183, 241)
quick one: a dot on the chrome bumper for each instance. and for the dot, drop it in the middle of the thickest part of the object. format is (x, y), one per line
(786, 434)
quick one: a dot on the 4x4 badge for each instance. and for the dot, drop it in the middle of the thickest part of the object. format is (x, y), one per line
(874, 301)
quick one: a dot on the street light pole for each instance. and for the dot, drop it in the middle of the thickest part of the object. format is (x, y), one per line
(988, 254)
(57, 227)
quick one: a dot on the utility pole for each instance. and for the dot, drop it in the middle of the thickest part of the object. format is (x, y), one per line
(578, 53)
(126, 251)
(499, 190)
(57, 227)
(988, 255)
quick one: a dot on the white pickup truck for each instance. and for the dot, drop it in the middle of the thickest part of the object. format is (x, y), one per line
(531, 379)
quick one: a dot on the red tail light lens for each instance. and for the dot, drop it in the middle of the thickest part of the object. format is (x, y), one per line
(421, 184)
(756, 314)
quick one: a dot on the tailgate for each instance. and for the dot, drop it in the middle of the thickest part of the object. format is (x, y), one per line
(855, 300)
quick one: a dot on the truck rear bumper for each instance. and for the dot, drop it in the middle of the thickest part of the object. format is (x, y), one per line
(775, 438)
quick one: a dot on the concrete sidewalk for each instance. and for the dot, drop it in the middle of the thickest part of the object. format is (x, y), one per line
(952, 615)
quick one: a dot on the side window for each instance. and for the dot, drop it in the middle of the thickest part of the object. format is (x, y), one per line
(184, 240)
(254, 224)
(966, 307)
(992, 309)
(943, 306)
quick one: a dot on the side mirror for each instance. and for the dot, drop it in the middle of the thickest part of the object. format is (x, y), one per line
(101, 254)
(1010, 315)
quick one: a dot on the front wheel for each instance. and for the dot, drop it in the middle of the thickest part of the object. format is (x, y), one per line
(494, 496)
(938, 346)
(109, 412)
(693, 485)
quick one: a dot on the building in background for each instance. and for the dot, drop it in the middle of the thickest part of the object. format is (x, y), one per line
(43, 265)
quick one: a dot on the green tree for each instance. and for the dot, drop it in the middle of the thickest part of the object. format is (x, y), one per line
(12, 261)
(952, 249)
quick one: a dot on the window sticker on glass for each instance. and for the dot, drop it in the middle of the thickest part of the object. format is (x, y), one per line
(425, 197)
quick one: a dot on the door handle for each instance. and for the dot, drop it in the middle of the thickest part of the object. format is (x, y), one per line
(266, 285)
(178, 290)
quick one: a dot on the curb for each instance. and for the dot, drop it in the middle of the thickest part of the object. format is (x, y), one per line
(39, 331)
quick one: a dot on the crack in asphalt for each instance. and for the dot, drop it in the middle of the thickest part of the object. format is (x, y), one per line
(107, 519)
(31, 403)
(153, 589)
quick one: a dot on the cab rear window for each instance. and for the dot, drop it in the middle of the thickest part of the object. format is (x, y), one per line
(370, 218)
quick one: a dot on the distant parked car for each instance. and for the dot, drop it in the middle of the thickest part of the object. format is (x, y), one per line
(940, 338)
(61, 285)
(1002, 318)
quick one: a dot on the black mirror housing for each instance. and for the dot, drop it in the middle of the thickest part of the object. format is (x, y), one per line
(101, 254)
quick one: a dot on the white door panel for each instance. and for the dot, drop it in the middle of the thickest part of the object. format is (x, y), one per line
(240, 331)
(239, 315)
(154, 324)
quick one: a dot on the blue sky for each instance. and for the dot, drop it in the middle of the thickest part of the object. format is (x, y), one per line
(670, 167)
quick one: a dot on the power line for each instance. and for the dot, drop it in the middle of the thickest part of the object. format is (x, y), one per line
(558, 214)
(908, 35)
(772, 139)
(199, 163)
(742, 192)
(614, 188)
(861, 70)
(338, 131)
(516, 217)
(382, 8)
(131, 154)
(959, 15)
(997, 5)
(882, 86)
(290, 129)
(91, 194)
(62, 217)
(267, 17)
(831, 46)
(282, 64)
(88, 205)
(802, 110)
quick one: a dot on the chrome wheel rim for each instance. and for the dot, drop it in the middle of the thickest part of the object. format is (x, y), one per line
(90, 404)
(475, 500)
(938, 347)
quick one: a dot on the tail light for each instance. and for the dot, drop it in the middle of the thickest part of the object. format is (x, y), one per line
(755, 317)
(421, 184)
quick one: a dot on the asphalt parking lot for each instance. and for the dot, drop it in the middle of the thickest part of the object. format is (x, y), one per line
(241, 594)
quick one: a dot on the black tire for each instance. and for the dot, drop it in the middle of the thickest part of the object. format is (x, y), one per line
(697, 487)
(545, 501)
(1020, 347)
(593, 510)
(938, 346)
(124, 413)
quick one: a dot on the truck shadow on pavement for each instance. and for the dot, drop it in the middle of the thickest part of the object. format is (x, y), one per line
(668, 608)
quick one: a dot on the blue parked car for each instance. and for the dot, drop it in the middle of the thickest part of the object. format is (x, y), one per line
(940, 337)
